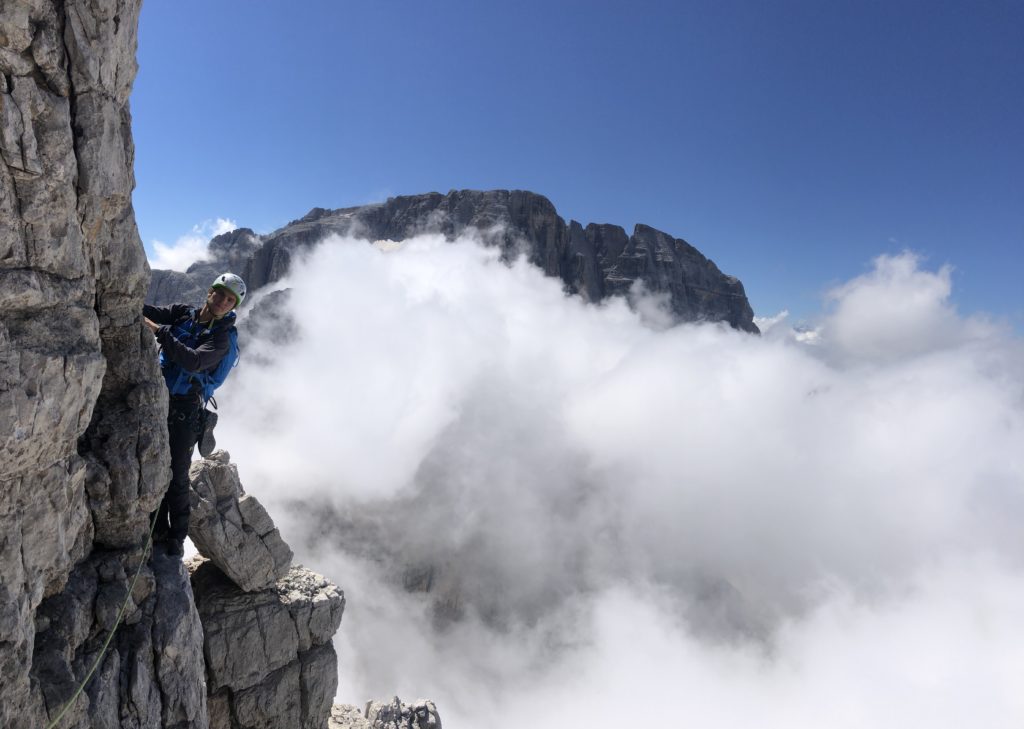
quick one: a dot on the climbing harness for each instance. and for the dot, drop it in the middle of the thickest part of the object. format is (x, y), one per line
(117, 623)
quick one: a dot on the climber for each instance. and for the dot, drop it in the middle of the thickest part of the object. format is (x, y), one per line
(198, 348)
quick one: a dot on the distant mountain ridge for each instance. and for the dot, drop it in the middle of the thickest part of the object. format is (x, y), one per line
(595, 261)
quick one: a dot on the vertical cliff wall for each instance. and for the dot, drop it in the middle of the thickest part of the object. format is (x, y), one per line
(82, 431)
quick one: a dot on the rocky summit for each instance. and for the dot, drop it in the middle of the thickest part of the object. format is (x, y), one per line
(594, 261)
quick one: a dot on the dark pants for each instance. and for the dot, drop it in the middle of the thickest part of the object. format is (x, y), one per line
(184, 426)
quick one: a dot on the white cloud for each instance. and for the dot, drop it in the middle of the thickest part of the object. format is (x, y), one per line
(189, 248)
(897, 310)
(684, 526)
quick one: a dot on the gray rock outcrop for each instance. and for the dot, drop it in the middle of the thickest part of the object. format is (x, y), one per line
(148, 677)
(595, 261)
(81, 403)
(267, 626)
(394, 714)
(232, 529)
(269, 658)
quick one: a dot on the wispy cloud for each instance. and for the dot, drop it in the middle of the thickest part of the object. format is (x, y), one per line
(189, 248)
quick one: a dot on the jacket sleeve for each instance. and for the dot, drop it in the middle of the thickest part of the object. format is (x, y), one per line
(165, 314)
(205, 357)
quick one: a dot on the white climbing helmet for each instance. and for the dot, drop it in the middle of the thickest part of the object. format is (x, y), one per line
(232, 283)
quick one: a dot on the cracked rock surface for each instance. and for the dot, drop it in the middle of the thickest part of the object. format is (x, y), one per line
(82, 407)
(394, 714)
(269, 657)
(232, 529)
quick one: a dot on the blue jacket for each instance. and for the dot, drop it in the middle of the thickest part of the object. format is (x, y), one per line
(189, 347)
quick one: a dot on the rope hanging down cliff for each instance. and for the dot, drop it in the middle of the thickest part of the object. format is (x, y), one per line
(110, 636)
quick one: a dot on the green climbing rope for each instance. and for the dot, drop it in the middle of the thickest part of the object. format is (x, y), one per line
(110, 636)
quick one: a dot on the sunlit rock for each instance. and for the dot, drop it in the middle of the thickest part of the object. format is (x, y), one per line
(232, 529)
(269, 657)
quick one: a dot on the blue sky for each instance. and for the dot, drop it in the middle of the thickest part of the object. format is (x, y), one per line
(791, 142)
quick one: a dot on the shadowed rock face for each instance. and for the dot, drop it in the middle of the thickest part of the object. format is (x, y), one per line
(595, 261)
(149, 676)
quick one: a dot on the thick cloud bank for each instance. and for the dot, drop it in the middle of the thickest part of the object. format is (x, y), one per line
(622, 524)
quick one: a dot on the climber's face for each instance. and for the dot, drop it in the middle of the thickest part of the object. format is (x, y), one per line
(220, 301)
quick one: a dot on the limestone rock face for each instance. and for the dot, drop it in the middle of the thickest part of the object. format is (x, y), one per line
(81, 403)
(269, 659)
(147, 678)
(267, 625)
(594, 261)
(232, 529)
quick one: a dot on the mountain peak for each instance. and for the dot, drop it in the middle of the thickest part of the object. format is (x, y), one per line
(596, 261)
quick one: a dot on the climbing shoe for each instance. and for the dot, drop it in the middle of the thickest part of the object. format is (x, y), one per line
(207, 442)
